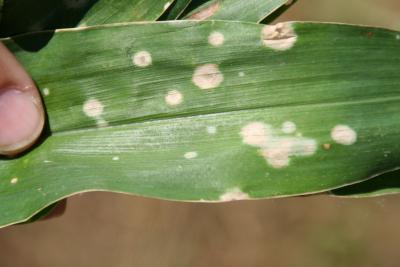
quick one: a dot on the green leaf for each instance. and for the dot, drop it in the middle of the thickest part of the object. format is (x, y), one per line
(265, 111)
(104, 12)
(176, 9)
(22, 16)
(384, 184)
(250, 10)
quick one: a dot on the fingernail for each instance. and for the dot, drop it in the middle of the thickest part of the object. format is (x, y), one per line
(21, 121)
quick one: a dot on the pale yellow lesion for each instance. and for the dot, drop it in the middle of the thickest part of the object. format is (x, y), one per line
(190, 155)
(256, 134)
(344, 135)
(211, 129)
(234, 194)
(207, 76)
(206, 12)
(174, 98)
(46, 91)
(93, 108)
(277, 149)
(216, 39)
(279, 37)
(288, 127)
(142, 59)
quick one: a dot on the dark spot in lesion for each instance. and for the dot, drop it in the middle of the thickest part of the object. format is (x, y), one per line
(327, 146)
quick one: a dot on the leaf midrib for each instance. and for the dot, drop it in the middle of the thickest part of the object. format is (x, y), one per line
(148, 119)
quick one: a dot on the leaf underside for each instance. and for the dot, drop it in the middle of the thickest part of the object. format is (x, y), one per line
(385, 184)
(176, 9)
(152, 131)
(125, 11)
(250, 10)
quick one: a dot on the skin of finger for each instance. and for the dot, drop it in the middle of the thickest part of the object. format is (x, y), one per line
(13, 75)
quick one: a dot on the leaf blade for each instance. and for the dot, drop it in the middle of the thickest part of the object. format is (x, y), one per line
(178, 8)
(251, 11)
(125, 11)
(197, 149)
(384, 184)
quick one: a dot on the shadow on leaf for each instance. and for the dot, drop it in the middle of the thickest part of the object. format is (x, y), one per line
(23, 16)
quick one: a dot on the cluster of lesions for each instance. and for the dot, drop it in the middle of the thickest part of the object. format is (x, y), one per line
(205, 76)
(278, 147)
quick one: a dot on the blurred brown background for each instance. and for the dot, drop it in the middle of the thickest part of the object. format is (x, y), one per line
(104, 229)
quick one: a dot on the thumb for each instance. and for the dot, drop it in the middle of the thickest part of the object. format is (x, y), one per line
(21, 110)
